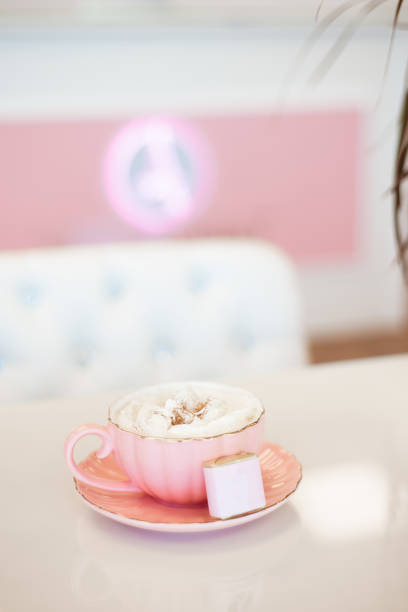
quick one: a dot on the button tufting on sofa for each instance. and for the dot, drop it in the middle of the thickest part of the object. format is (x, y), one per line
(82, 320)
(197, 280)
(29, 294)
(114, 287)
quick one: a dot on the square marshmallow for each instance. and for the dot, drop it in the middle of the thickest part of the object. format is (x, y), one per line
(234, 485)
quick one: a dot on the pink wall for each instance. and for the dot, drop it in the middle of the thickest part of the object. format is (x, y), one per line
(290, 178)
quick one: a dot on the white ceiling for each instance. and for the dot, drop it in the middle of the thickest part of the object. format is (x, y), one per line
(188, 12)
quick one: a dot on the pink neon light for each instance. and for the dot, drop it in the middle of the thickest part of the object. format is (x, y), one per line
(161, 179)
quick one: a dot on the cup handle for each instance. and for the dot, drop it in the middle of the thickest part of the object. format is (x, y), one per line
(105, 449)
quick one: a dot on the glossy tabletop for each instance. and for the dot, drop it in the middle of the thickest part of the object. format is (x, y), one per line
(341, 543)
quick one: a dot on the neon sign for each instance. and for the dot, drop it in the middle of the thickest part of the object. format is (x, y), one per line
(158, 174)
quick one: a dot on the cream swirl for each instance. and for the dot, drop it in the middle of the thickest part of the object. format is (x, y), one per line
(188, 410)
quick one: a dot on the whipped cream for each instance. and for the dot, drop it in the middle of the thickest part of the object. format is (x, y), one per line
(187, 410)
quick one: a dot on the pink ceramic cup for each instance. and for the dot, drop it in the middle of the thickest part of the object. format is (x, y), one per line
(170, 469)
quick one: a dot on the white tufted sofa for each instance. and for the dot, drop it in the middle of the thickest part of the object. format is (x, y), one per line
(85, 319)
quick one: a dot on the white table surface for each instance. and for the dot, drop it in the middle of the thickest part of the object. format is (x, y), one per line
(341, 543)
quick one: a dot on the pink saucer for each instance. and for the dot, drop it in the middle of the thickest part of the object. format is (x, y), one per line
(281, 473)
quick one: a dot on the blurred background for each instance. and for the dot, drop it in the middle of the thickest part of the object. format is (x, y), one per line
(168, 124)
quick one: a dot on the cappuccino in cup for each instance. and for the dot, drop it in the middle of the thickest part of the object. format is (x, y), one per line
(162, 435)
